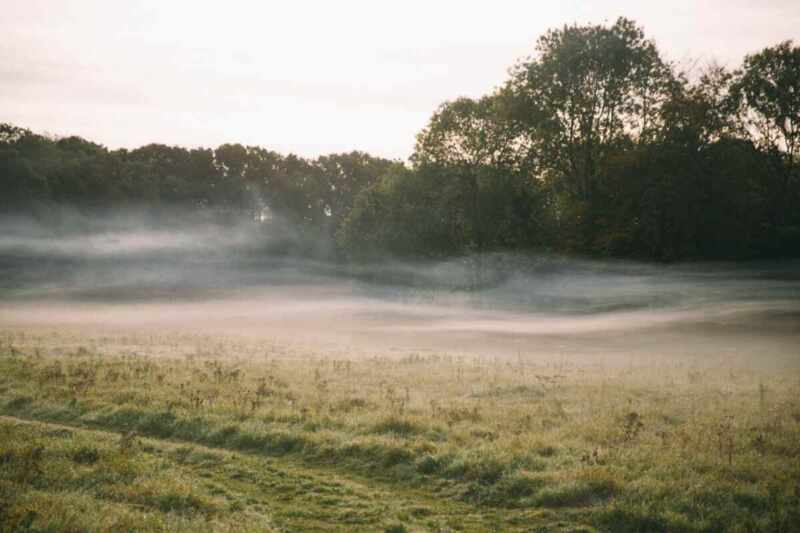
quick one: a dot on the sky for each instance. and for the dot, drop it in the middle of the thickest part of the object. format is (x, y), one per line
(310, 77)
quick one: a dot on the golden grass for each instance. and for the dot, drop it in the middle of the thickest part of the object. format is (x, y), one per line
(678, 445)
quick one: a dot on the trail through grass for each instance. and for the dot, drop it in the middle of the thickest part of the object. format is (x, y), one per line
(154, 433)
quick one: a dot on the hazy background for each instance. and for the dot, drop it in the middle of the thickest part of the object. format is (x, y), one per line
(123, 273)
(309, 77)
(317, 77)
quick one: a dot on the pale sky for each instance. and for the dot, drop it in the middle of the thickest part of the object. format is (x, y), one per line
(309, 77)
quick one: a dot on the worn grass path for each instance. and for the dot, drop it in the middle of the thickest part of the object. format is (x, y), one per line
(169, 485)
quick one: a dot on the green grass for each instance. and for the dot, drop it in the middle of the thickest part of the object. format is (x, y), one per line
(181, 439)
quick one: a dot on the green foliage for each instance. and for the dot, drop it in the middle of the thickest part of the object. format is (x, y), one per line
(597, 146)
(232, 182)
(594, 145)
(590, 91)
(767, 90)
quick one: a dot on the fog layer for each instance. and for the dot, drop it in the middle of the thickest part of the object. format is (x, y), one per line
(244, 280)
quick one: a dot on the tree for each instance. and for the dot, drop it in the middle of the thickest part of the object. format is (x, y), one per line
(471, 133)
(698, 114)
(768, 90)
(484, 170)
(404, 214)
(21, 187)
(343, 177)
(590, 91)
(767, 93)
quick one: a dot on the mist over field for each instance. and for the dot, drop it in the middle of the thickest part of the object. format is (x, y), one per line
(570, 303)
(241, 280)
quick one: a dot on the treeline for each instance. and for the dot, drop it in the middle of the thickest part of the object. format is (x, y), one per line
(232, 183)
(594, 145)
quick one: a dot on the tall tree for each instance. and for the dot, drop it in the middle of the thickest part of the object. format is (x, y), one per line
(767, 92)
(472, 133)
(485, 169)
(589, 91)
(768, 89)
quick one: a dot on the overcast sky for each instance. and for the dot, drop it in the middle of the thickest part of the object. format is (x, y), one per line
(309, 77)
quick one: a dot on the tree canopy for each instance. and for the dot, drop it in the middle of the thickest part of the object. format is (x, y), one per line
(594, 145)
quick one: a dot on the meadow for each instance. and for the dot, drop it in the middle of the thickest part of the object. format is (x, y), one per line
(172, 430)
(568, 302)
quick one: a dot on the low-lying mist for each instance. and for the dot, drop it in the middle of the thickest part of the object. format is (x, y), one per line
(252, 279)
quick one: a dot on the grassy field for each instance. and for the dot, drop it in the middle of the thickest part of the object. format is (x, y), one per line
(127, 430)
